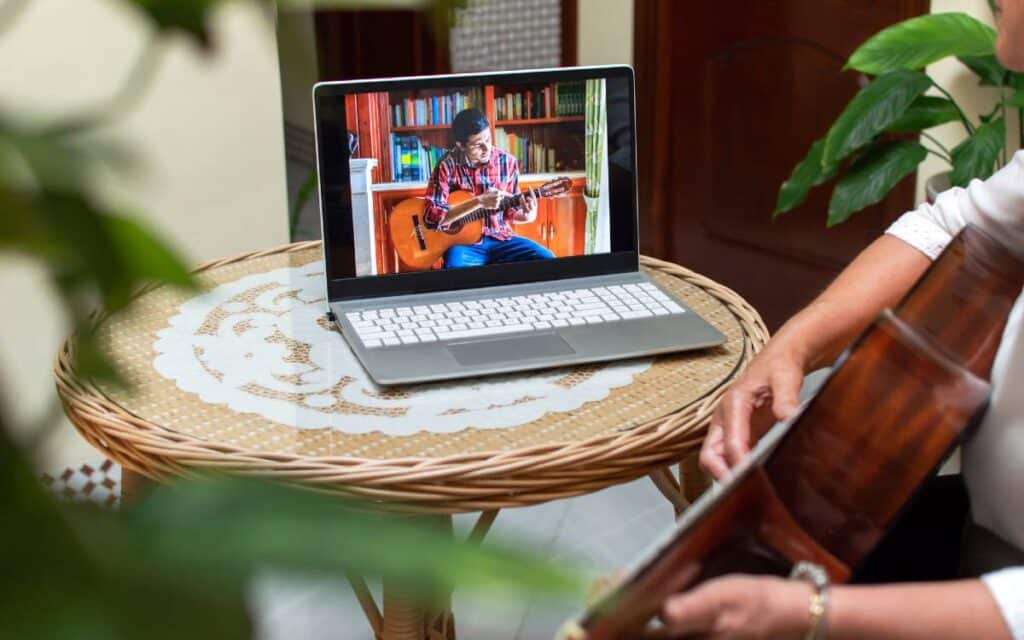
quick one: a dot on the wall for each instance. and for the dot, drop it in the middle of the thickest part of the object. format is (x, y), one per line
(208, 134)
(605, 32)
(963, 85)
(296, 35)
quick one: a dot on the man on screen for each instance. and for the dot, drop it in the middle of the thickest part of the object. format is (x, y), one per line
(476, 166)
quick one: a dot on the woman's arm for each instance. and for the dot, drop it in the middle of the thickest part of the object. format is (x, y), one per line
(949, 610)
(743, 607)
(769, 388)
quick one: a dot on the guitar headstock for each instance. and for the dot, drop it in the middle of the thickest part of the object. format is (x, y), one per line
(555, 187)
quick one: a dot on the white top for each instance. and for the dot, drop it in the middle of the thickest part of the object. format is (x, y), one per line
(993, 461)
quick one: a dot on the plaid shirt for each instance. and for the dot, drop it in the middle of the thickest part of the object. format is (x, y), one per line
(453, 173)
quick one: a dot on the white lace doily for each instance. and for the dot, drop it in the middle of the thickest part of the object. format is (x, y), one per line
(261, 345)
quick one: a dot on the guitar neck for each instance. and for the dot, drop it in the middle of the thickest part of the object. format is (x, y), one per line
(476, 211)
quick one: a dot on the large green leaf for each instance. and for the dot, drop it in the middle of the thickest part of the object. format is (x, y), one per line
(807, 173)
(92, 256)
(146, 257)
(1017, 99)
(298, 530)
(189, 16)
(65, 578)
(178, 562)
(915, 43)
(872, 176)
(987, 68)
(924, 113)
(193, 16)
(976, 156)
(871, 111)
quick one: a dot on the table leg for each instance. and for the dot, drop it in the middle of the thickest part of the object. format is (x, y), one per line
(405, 617)
(693, 478)
(669, 487)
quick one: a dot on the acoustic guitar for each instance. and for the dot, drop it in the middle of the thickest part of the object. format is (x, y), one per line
(420, 246)
(824, 486)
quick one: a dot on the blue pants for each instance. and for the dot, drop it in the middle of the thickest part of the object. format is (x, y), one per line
(491, 251)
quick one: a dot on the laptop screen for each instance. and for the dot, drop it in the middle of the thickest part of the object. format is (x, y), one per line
(431, 184)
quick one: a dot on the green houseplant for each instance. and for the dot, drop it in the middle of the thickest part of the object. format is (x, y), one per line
(881, 136)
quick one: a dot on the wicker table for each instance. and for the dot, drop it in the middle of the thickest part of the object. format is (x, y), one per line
(248, 377)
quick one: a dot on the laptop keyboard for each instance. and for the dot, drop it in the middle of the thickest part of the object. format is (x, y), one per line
(395, 326)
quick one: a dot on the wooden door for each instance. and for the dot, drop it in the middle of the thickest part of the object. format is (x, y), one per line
(728, 102)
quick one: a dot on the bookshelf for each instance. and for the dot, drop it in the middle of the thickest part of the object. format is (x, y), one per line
(543, 126)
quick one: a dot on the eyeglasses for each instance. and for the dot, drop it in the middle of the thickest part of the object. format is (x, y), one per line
(483, 145)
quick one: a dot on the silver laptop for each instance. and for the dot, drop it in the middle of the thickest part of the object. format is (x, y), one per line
(485, 223)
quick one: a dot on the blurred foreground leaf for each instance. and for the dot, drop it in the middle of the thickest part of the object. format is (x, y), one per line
(64, 575)
(188, 16)
(178, 563)
(95, 257)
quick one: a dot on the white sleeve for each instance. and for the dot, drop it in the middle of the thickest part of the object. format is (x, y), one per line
(995, 205)
(1007, 587)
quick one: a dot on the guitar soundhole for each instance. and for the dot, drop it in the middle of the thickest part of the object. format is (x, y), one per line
(455, 228)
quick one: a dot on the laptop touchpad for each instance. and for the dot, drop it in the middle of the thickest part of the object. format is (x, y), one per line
(496, 350)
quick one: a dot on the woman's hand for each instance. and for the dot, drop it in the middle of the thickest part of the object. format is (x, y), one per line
(767, 391)
(740, 607)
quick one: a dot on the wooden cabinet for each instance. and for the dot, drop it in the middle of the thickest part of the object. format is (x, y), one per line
(561, 222)
(567, 221)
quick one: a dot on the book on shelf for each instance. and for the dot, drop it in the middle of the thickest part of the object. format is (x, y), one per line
(412, 161)
(570, 99)
(557, 100)
(533, 157)
(433, 110)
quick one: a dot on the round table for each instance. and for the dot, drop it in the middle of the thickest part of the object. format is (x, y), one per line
(248, 376)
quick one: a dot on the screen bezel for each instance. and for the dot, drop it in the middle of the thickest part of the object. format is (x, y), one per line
(335, 200)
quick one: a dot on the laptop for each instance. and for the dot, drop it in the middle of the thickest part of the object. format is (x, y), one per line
(487, 223)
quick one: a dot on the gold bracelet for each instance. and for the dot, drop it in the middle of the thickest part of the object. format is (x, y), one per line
(818, 605)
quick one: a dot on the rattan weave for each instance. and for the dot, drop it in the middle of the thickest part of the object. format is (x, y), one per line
(158, 430)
